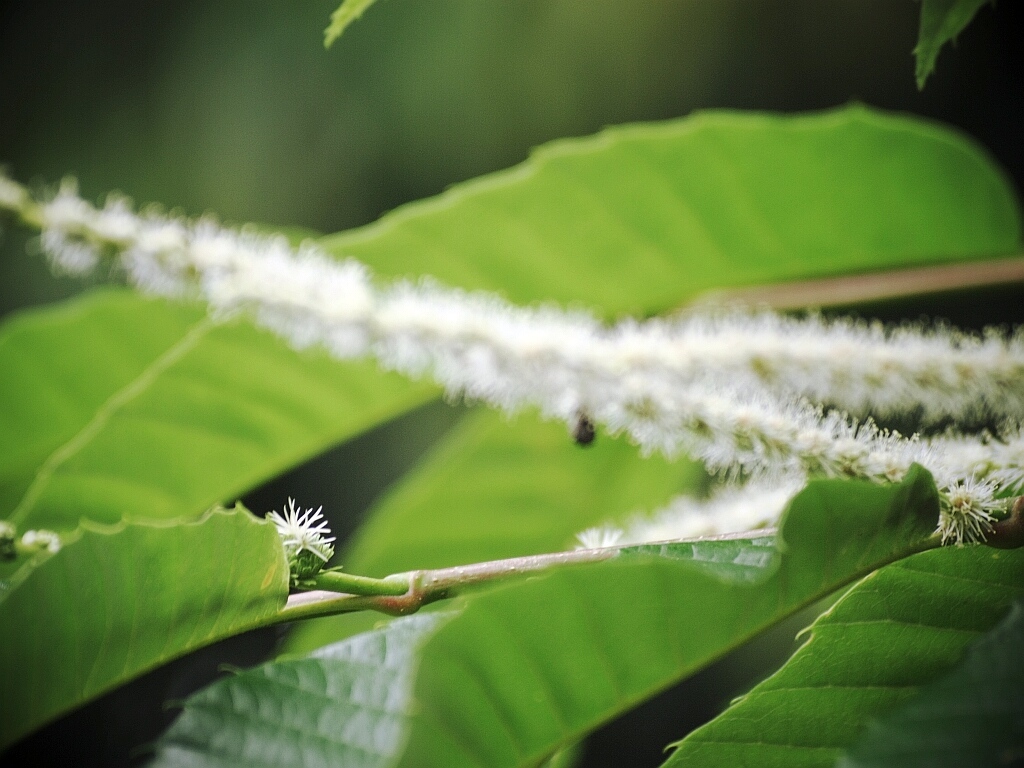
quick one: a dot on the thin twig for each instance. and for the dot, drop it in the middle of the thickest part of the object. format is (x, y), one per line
(428, 586)
(872, 286)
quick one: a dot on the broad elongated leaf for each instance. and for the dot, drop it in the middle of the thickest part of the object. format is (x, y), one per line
(496, 488)
(119, 406)
(896, 630)
(117, 601)
(639, 219)
(941, 21)
(972, 717)
(344, 706)
(529, 668)
(351, 700)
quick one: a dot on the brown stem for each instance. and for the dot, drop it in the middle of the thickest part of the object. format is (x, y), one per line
(428, 586)
(873, 286)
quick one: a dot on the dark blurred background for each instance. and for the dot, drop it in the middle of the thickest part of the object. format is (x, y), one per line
(234, 107)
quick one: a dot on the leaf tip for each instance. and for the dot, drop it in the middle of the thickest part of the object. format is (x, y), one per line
(343, 16)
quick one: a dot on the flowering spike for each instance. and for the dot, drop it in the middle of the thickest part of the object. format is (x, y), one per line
(730, 510)
(742, 392)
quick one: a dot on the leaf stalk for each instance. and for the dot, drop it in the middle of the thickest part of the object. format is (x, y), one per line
(400, 594)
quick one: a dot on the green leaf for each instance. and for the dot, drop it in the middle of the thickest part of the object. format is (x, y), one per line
(120, 406)
(495, 488)
(117, 601)
(344, 706)
(346, 13)
(348, 704)
(941, 21)
(895, 631)
(739, 560)
(971, 717)
(529, 668)
(639, 219)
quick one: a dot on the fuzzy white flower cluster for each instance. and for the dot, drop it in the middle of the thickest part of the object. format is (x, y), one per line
(744, 508)
(486, 348)
(41, 540)
(729, 389)
(307, 546)
(968, 509)
(966, 512)
(731, 509)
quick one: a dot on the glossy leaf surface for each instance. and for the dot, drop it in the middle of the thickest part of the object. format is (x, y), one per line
(117, 601)
(529, 668)
(897, 630)
(120, 406)
(971, 717)
(640, 219)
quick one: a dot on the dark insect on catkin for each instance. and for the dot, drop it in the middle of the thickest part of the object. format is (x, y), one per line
(583, 432)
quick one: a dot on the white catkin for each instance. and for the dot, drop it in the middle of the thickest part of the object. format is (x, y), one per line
(731, 509)
(728, 389)
(968, 508)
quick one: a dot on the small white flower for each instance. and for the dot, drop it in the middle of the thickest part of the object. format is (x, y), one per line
(12, 194)
(599, 537)
(41, 540)
(731, 509)
(304, 535)
(965, 513)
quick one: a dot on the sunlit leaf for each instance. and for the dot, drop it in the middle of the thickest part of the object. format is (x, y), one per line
(117, 601)
(640, 219)
(897, 630)
(117, 406)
